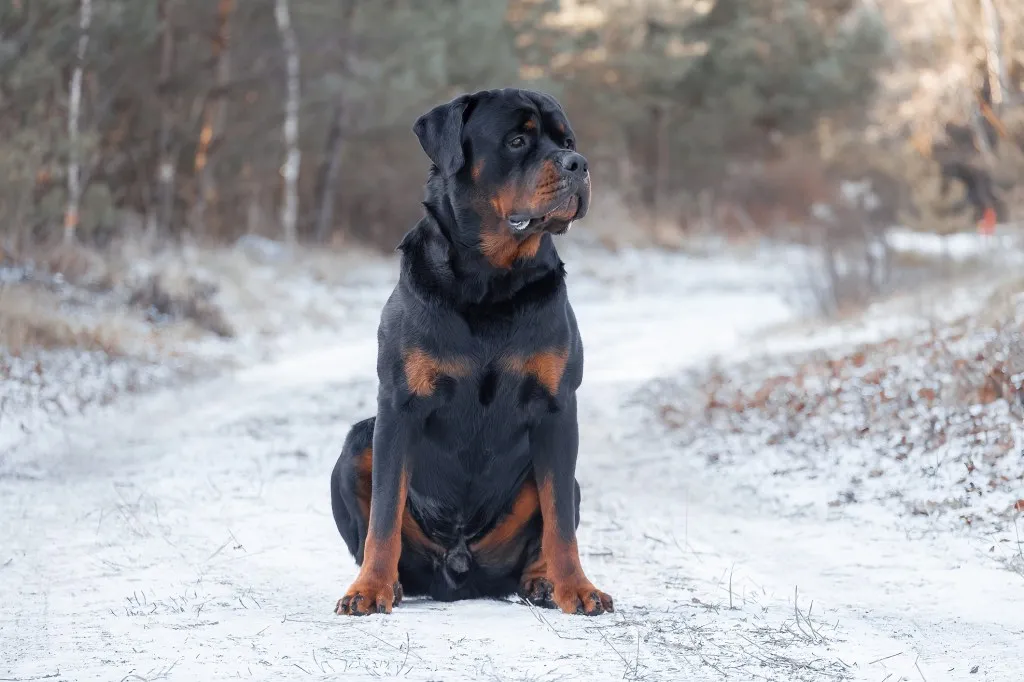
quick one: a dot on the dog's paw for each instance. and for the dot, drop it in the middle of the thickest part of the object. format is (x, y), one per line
(369, 596)
(539, 592)
(572, 596)
(580, 596)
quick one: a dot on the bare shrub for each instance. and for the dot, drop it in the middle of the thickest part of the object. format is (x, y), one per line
(166, 298)
(803, 198)
(853, 263)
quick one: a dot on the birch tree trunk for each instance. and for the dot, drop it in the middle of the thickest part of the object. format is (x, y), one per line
(213, 117)
(290, 170)
(165, 160)
(994, 52)
(71, 213)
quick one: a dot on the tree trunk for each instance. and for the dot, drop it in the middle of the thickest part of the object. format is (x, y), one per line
(165, 162)
(327, 174)
(981, 138)
(214, 112)
(293, 156)
(330, 165)
(71, 213)
(660, 129)
(993, 52)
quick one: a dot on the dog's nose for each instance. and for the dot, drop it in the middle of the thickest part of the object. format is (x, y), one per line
(573, 162)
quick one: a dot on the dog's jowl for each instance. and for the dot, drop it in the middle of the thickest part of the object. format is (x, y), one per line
(464, 483)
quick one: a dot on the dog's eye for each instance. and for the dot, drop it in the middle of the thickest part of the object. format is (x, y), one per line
(570, 143)
(517, 142)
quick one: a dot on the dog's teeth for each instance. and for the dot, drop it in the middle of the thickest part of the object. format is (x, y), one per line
(518, 224)
(568, 226)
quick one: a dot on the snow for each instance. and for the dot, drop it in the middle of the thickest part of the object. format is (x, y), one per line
(276, 302)
(958, 246)
(186, 534)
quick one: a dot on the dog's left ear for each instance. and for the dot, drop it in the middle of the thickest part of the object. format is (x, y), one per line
(440, 134)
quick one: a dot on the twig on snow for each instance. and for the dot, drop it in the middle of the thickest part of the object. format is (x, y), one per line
(633, 667)
(654, 539)
(408, 648)
(731, 569)
(385, 642)
(48, 676)
(919, 668)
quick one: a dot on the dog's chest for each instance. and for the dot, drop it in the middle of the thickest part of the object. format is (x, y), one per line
(477, 383)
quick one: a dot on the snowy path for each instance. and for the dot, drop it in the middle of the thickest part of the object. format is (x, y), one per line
(187, 536)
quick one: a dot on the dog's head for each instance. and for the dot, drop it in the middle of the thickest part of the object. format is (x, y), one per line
(508, 157)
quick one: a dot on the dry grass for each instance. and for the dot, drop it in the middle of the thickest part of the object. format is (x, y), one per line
(31, 318)
(929, 424)
(1005, 303)
(78, 265)
(77, 298)
(136, 297)
(953, 368)
(80, 328)
(156, 283)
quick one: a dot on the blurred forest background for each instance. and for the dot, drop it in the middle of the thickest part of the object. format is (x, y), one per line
(191, 185)
(205, 120)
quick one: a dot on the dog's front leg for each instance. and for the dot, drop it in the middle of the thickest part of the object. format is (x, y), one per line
(554, 444)
(376, 589)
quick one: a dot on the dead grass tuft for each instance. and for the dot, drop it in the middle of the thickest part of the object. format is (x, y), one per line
(78, 265)
(31, 318)
(166, 297)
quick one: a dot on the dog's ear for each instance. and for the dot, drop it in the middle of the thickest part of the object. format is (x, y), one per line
(440, 134)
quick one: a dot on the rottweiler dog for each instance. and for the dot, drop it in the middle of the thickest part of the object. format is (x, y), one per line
(463, 485)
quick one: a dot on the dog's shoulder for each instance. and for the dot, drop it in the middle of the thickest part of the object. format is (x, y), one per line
(417, 330)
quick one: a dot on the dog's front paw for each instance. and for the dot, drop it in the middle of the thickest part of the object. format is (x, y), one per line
(574, 595)
(367, 595)
(578, 595)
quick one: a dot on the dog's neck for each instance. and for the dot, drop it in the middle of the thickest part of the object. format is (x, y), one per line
(443, 253)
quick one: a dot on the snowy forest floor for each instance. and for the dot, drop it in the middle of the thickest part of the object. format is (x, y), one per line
(766, 498)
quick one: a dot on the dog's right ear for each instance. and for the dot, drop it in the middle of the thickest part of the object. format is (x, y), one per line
(440, 134)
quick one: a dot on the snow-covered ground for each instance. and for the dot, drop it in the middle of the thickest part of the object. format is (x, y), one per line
(110, 332)
(187, 534)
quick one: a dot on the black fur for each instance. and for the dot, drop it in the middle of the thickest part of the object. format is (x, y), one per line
(468, 445)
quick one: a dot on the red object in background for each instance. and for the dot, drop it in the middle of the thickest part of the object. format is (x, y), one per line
(987, 224)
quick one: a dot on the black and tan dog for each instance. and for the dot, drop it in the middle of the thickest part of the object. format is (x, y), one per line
(464, 485)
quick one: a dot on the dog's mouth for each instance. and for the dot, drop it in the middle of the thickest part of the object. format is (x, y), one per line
(559, 218)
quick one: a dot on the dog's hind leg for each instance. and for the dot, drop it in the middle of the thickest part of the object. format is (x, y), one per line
(351, 491)
(351, 483)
